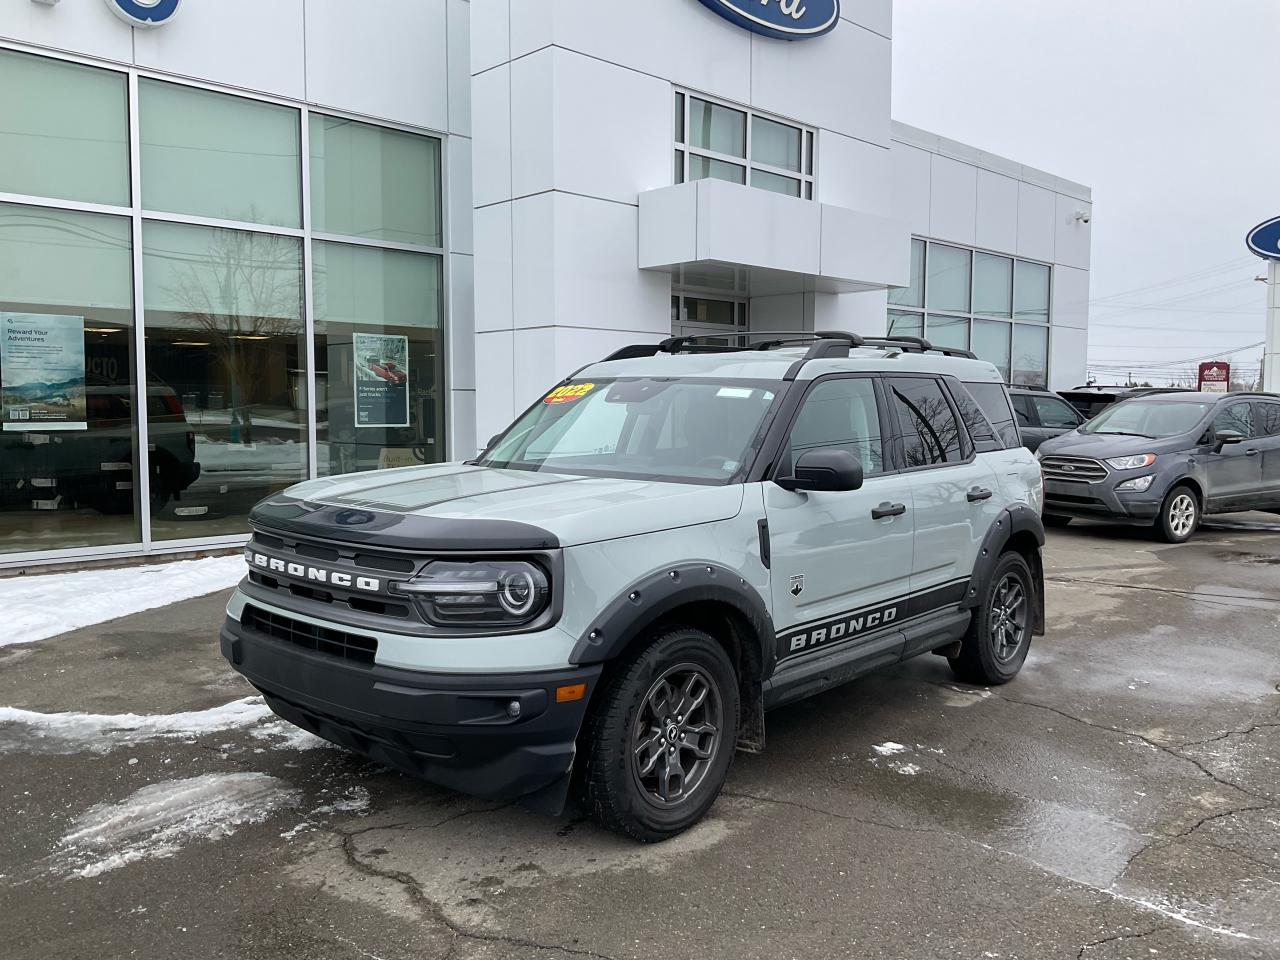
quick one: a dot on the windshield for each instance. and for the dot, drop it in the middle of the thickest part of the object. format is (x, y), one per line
(686, 430)
(1148, 418)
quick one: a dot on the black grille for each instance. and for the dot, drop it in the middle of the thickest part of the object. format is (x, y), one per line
(1078, 469)
(334, 643)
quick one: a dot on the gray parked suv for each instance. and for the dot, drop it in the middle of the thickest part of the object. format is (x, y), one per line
(662, 547)
(1165, 460)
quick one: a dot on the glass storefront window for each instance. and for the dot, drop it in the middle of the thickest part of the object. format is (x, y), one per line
(948, 278)
(912, 296)
(64, 130)
(990, 341)
(379, 358)
(992, 285)
(1030, 355)
(716, 128)
(68, 442)
(772, 181)
(904, 324)
(948, 331)
(702, 168)
(214, 155)
(374, 182)
(1031, 292)
(775, 144)
(226, 358)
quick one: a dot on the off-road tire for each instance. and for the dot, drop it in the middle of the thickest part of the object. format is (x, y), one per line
(984, 658)
(1172, 525)
(611, 788)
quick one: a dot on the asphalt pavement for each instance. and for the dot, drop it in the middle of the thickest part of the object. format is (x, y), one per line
(1120, 799)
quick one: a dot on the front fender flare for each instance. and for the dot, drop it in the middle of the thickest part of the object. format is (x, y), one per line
(1016, 519)
(647, 601)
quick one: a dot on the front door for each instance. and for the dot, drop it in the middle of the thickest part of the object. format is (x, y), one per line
(1235, 472)
(841, 562)
(955, 493)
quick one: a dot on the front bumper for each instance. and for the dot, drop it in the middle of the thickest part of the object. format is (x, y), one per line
(452, 730)
(1067, 498)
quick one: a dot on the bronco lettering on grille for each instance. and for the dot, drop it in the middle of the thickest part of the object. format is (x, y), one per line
(335, 578)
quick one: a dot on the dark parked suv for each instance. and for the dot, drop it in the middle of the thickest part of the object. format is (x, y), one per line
(1042, 415)
(1166, 460)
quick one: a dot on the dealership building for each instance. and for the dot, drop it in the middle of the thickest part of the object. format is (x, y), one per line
(247, 243)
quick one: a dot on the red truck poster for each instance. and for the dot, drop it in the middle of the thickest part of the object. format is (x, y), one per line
(1215, 377)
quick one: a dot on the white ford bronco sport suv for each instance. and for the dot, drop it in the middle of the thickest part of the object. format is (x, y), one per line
(666, 545)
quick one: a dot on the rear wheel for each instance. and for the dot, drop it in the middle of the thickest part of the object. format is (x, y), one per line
(999, 636)
(1179, 515)
(661, 740)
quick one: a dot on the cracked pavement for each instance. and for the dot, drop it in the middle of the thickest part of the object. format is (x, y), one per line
(1120, 799)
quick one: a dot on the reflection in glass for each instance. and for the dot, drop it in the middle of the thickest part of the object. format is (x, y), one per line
(224, 333)
(912, 296)
(214, 155)
(63, 130)
(68, 442)
(775, 144)
(1031, 292)
(702, 168)
(948, 331)
(772, 181)
(948, 285)
(1030, 355)
(379, 358)
(990, 341)
(374, 182)
(905, 324)
(717, 128)
(992, 285)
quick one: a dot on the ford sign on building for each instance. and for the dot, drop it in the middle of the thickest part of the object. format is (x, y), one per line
(781, 19)
(239, 253)
(1264, 239)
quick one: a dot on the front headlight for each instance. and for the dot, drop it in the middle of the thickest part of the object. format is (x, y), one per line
(1133, 463)
(484, 593)
(1136, 485)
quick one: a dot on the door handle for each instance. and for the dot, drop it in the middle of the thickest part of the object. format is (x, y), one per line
(1251, 452)
(888, 509)
(978, 494)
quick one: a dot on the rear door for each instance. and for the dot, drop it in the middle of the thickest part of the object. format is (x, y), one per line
(1054, 415)
(1235, 472)
(955, 492)
(841, 562)
(1266, 415)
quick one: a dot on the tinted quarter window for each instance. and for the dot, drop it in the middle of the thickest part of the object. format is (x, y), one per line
(1025, 417)
(931, 434)
(994, 401)
(841, 414)
(1238, 417)
(976, 423)
(1270, 413)
(1054, 412)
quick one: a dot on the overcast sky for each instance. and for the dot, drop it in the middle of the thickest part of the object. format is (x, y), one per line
(1168, 110)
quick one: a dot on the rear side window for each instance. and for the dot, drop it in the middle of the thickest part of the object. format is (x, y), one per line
(931, 434)
(1270, 419)
(994, 401)
(1054, 412)
(1022, 404)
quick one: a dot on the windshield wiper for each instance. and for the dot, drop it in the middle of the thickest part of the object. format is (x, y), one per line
(1126, 433)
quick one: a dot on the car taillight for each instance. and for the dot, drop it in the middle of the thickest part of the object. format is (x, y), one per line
(172, 404)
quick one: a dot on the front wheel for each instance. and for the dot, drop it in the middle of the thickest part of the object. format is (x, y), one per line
(1179, 516)
(662, 737)
(999, 636)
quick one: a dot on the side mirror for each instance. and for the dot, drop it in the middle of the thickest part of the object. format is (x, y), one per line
(1225, 437)
(831, 471)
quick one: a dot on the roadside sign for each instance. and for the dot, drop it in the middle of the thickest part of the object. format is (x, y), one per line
(1215, 377)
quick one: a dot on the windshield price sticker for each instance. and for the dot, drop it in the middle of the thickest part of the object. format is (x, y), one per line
(575, 391)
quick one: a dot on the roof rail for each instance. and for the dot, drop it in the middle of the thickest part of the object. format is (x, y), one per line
(918, 345)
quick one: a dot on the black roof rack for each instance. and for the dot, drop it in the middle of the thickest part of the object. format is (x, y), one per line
(919, 345)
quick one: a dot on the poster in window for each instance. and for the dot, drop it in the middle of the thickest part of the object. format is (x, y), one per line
(382, 380)
(42, 372)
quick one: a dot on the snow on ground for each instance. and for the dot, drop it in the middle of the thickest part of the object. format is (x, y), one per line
(44, 606)
(283, 735)
(889, 748)
(65, 733)
(159, 820)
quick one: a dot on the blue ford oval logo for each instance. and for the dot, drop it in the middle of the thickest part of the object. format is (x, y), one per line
(1264, 239)
(780, 19)
(144, 13)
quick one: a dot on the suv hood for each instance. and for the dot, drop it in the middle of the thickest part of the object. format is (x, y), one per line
(455, 506)
(1103, 445)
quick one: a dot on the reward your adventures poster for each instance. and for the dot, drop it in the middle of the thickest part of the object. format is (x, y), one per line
(42, 372)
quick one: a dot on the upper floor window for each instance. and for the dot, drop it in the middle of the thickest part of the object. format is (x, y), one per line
(715, 140)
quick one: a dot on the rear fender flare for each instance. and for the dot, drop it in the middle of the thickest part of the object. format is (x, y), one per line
(1016, 520)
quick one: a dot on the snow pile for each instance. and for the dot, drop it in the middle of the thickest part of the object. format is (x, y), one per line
(101, 733)
(283, 735)
(159, 820)
(45, 606)
(889, 748)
